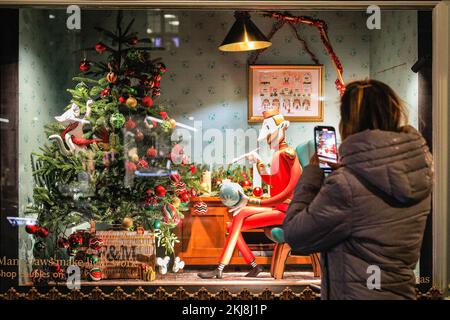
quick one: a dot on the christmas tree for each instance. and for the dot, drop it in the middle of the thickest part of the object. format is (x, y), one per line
(111, 158)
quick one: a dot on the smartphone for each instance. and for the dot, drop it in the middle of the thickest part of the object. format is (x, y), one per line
(326, 146)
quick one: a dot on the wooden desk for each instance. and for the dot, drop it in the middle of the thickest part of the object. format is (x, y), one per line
(202, 236)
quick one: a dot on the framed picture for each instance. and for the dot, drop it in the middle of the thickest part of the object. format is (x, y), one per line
(295, 90)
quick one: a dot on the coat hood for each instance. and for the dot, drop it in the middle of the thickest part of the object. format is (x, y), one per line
(398, 164)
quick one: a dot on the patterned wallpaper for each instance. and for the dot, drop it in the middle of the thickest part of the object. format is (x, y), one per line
(395, 45)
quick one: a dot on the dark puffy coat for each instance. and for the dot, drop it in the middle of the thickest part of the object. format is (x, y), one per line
(371, 211)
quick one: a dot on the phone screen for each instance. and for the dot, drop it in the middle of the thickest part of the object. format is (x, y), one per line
(326, 149)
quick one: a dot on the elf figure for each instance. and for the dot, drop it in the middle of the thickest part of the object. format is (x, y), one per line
(251, 213)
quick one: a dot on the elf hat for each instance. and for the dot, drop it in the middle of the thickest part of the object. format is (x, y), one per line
(273, 121)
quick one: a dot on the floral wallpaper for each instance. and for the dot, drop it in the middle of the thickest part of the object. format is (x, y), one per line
(393, 52)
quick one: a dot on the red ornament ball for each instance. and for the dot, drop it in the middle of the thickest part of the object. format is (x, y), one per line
(244, 175)
(100, 47)
(85, 65)
(31, 228)
(185, 197)
(160, 191)
(257, 191)
(246, 183)
(193, 169)
(131, 166)
(42, 232)
(122, 99)
(147, 101)
(151, 152)
(133, 41)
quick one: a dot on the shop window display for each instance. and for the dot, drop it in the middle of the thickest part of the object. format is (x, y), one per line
(139, 160)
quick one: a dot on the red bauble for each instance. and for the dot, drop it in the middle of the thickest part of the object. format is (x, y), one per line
(133, 41)
(163, 115)
(257, 191)
(85, 65)
(160, 191)
(122, 99)
(130, 124)
(31, 228)
(42, 232)
(184, 197)
(244, 175)
(151, 152)
(100, 47)
(147, 101)
(193, 169)
(131, 166)
(246, 184)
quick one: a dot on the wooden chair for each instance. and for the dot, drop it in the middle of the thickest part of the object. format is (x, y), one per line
(282, 251)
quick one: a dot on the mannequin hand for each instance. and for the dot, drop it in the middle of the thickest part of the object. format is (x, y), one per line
(253, 157)
(235, 210)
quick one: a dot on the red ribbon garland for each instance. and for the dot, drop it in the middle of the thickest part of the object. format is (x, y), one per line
(322, 28)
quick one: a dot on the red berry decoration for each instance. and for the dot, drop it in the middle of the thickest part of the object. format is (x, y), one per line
(193, 169)
(42, 232)
(122, 99)
(133, 41)
(85, 65)
(160, 191)
(257, 191)
(151, 152)
(31, 228)
(100, 47)
(147, 101)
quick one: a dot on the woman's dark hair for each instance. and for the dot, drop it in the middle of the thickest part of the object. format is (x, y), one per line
(370, 104)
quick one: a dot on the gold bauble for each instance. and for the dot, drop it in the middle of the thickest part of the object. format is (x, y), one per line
(132, 102)
(127, 223)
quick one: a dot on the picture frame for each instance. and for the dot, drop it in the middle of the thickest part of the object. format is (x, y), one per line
(297, 90)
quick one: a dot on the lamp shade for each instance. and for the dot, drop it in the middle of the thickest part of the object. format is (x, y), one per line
(244, 35)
